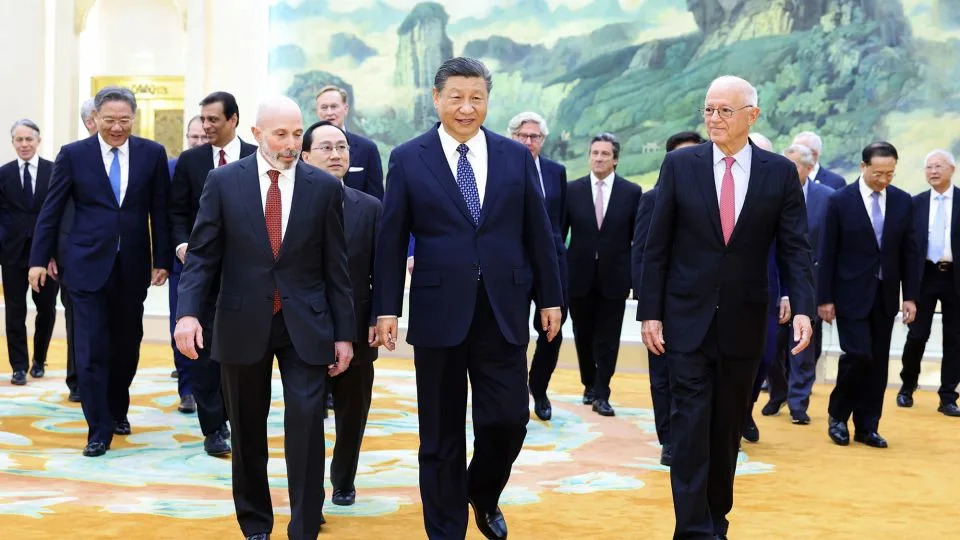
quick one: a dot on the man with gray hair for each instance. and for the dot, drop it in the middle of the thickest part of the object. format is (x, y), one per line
(819, 174)
(87, 117)
(530, 130)
(23, 187)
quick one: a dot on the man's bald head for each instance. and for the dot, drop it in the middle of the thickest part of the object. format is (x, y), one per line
(277, 106)
(279, 131)
(761, 141)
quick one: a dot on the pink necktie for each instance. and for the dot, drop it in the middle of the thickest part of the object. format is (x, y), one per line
(728, 208)
(223, 158)
(598, 204)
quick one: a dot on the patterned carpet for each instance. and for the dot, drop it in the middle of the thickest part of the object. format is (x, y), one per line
(579, 476)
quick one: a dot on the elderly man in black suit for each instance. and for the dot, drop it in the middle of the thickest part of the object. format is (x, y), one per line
(366, 170)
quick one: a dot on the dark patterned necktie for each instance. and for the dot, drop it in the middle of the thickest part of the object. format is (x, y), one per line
(273, 213)
(467, 183)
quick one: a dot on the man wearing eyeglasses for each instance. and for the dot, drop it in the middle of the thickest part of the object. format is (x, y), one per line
(704, 293)
(366, 169)
(866, 254)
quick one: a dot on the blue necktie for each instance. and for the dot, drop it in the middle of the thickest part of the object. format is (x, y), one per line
(115, 173)
(938, 233)
(877, 217)
(467, 183)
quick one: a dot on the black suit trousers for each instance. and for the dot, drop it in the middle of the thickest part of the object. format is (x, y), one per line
(545, 355)
(352, 391)
(936, 285)
(659, 369)
(15, 287)
(205, 377)
(597, 323)
(71, 378)
(247, 389)
(497, 370)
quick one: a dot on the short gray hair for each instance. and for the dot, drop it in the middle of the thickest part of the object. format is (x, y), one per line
(86, 110)
(197, 118)
(942, 153)
(26, 122)
(461, 66)
(519, 120)
(762, 141)
(114, 93)
(747, 89)
(816, 143)
(606, 136)
(801, 152)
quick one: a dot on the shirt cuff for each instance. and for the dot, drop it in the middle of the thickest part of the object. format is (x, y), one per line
(177, 250)
(386, 317)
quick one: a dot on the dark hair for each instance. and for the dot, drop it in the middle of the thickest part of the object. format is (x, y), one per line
(114, 93)
(879, 149)
(461, 66)
(308, 134)
(677, 139)
(229, 103)
(610, 138)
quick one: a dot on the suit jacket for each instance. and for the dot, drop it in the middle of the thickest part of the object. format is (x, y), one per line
(641, 225)
(189, 175)
(817, 197)
(600, 253)
(230, 237)
(364, 154)
(104, 230)
(18, 217)
(361, 215)
(554, 177)
(829, 178)
(690, 277)
(512, 247)
(921, 228)
(850, 258)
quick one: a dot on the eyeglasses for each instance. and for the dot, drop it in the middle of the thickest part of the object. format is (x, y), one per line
(333, 107)
(936, 167)
(881, 175)
(327, 148)
(124, 121)
(724, 112)
(532, 137)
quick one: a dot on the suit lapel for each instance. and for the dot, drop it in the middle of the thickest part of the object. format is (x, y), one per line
(133, 167)
(433, 157)
(862, 212)
(756, 182)
(922, 224)
(614, 205)
(494, 178)
(43, 183)
(249, 189)
(302, 195)
(99, 172)
(351, 211)
(954, 224)
(708, 187)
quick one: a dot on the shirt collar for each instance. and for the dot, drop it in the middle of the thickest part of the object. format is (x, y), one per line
(263, 166)
(933, 193)
(816, 169)
(35, 161)
(105, 148)
(607, 180)
(865, 190)
(742, 157)
(231, 149)
(477, 144)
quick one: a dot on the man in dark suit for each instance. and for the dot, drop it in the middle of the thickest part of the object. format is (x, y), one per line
(219, 116)
(325, 147)
(284, 292)
(23, 186)
(704, 289)
(119, 187)
(657, 366)
(530, 130)
(366, 170)
(936, 227)
(819, 174)
(472, 200)
(599, 216)
(866, 253)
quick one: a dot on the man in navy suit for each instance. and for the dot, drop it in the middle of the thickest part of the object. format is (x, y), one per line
(270, 229)
(819, 174)
(936, 227)
(530, 129)
(118, 246)
(23, 186)
(866, 253)
(704, 291)
(484, 246)
(366, 170)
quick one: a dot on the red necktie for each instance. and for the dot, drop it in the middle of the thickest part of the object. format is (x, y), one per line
(223, 158)
(728, 207)
(273, 214)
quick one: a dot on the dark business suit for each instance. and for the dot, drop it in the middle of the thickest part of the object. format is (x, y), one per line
(829, 178)
(180, 361)
(66, 224)
(554, 176)
(712, 300)
(18, 216)
(364, 155)
(469, 312)
(229, 240)
(107, 265)
(851, 265)
(939, 282)
(599, 267)
(203, 374)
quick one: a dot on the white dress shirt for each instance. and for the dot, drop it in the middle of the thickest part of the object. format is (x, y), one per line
(32, 165)
(813, 173)
(740, 171)
(285, 183)
(476, 156)
(867, 195)
(948, 219)
(543, 189)
(607, 189)
(123, 155)
(231, 151)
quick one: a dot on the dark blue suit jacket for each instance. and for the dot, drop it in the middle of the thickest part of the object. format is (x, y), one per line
(18, 218)
(829, 178)
(850, 257)
(641, 226)
(513, 246)
(555, 200)
(921, 228)
(100, 224)
(364, 153)
(817, 197)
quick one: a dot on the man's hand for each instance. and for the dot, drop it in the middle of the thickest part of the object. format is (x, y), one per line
(652, 332)
(37, 276)
(785, 311)
(373, 340)
(909, 311)
(827, 312)
(159, 277)
(52, 269)
(387, 332)
(189, 336)
(344, 351)
(182, 253)
(550, 320)
(802, 333)
(410, 265)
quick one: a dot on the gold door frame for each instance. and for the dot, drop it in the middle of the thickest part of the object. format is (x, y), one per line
(159, 106)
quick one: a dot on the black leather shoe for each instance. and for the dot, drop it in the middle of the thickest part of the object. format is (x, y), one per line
(188, 405)
(542, 408)
(603, 408)
(772, 408)
(225, 432)
(215, 445)
(800, 418)
(95, 449)
(871, 438)
(905, 399)
(589, 396)
(74, 396)
(949, 409)
(37, 371)
(174, 374)
(838, 431)
(666, 455)
(122, 427)
(19, 378)
(750, 430)
(258, 536)
(490, 523)
(343, 497)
